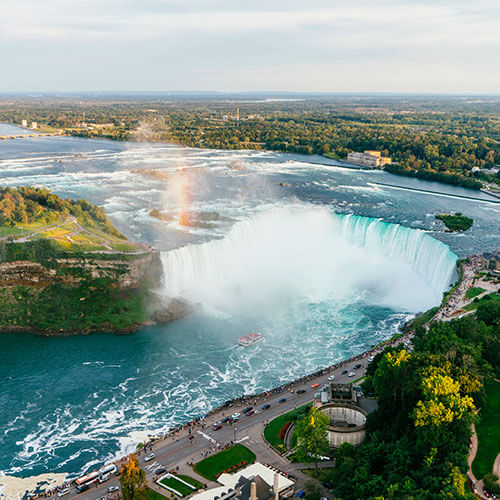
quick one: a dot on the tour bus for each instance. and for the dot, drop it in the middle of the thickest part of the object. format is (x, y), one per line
(82, 483)
(107, 469)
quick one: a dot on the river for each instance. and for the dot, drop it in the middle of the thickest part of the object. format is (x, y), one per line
(322, 259)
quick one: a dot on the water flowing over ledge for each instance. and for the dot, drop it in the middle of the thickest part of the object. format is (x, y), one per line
(311, 253)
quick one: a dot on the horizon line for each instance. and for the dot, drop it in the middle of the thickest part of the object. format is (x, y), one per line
(243, 92)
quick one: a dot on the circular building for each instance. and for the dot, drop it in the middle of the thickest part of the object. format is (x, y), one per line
(346, 423)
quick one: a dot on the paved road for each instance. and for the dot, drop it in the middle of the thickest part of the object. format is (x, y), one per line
(177, 451)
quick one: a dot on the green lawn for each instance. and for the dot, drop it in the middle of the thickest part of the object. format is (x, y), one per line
(272, 430)
(9, 230)
(149, 494)
(212, 466)
(488, 431)
(123, 247)
(473, 292)
(178, 486)
(191, 480)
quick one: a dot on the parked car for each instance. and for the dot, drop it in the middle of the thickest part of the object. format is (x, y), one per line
(266, 406)
(247, 409)
(226, 420)
(351, 374)
(344, 372)
(64, 492)
(113, 488)
(371, 358)
(301, 391)
(282, 400)
(104, 477)
(250, 412)
(149, 457)
(357, 366)
(216, 426)
(331, 377)
(235, 415)
(160, 470)
(314, 386)
(301, 494)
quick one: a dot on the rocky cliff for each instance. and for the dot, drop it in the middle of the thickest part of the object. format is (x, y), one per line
(130, 272)
(83, 294)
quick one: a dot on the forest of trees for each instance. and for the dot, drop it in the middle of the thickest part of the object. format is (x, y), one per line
(28, 205)
(435, 138)
(418, 438)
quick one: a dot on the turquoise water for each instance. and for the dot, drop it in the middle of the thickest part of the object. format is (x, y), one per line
(324, 266)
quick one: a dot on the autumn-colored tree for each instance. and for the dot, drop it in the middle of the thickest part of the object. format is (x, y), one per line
(444, 398)
(132, 478)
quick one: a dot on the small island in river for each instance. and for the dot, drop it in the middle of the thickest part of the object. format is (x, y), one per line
(456, 222)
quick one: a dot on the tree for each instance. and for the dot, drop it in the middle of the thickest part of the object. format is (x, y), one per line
(132, 478)
(312, 438)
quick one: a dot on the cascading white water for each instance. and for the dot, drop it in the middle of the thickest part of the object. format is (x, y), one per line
(308, 253)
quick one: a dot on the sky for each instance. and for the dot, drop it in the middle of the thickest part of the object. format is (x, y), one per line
(437, 46)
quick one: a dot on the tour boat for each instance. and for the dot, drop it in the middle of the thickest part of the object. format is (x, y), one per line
(250, 339)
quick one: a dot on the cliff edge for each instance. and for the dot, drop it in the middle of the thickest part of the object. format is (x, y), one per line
(64, 269)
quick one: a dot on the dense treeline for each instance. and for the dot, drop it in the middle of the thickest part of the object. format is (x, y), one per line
(29, 205)
(435, 138)
(418, 438)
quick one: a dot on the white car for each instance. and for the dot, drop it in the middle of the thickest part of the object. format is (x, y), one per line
(149, 457)
(104, 478)
(351, 374)
(235, 415)
(63, 492)
(113, 488)
(331, 377)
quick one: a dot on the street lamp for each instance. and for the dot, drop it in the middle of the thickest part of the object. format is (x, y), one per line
(235, 433)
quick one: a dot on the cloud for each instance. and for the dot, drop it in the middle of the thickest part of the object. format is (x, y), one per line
(229, 34)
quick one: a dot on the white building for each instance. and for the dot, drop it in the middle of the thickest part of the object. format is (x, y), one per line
(270, 484)
(373, 159)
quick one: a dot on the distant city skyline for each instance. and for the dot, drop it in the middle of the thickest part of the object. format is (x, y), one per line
(387, 46)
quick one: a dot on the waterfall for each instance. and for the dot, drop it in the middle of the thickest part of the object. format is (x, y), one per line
(309, 253)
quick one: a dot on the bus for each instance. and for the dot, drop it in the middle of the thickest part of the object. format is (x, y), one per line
(107, 469)
(83, 482)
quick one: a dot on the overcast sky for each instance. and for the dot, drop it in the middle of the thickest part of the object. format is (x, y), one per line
(230, 45)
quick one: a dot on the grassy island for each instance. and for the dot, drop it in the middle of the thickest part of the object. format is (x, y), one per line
(64, 268)
(29, 214)
(456, 222)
